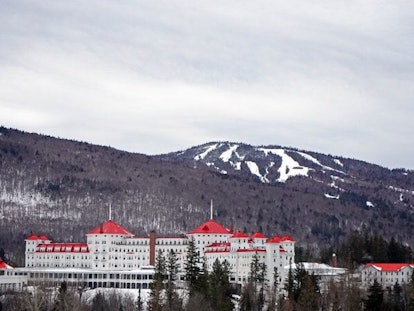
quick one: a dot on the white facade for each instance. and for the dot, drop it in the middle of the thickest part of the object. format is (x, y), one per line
(110, 247)
(387, 274)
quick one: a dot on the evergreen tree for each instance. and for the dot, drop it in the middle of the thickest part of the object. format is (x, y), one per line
(220, 287)
(155, 302)
(289, 283)
(410, 294)
(397, 301)
(274, 291)
(192, 266)
(99, 303)
(139, 304)
(252, 297)
(62, 300)
(309, 296)
(375, 300)
(173, 302)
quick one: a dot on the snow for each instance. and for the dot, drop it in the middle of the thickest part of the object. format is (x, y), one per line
(370, 204)
(401, 189)
(226, 155)
(328, 196)
(89, 295)
(201, 156)
(254, 169)
(316, 161)
(338, 162)
(289, 166)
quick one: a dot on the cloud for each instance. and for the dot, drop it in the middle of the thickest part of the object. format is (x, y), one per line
(155, 77)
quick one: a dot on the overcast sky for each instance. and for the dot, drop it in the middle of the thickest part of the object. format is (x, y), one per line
(158, 76)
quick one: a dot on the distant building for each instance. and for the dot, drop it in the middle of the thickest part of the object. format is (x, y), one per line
(387, 274)
(10, 280)
(325, 273)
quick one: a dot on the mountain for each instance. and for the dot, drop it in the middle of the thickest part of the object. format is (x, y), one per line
(63, 188)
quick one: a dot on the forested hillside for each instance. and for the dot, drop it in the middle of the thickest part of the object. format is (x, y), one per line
(63, 188)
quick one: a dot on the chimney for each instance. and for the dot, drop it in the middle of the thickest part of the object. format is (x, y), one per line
(152, 248)
(334, 260)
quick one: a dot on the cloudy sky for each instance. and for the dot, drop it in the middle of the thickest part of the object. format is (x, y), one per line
(158, 76)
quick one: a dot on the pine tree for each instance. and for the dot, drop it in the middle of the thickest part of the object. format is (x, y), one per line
(62, 303)
(375, 298)
(192, 267)
(274, 291)
(410, 294)
(220, 288)
(173, 302)
(155, 302)
(139, 304)
(289, 283)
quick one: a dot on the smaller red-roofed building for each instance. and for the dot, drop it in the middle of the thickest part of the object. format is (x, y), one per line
(9, 279)
(387, 274)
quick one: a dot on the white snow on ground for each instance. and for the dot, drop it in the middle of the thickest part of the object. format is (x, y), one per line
(289, 167)
(226, 155)
(254, 169)
(338, 162)
(370, 204)
(401, 197)
(206, 152)
(333, 184)
(90, 294)
(331, 196)
(401, 189)
(316, 161)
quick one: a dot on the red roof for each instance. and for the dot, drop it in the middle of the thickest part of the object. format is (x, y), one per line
(210, 227)
(62, 248)
(388, 267)
(240, 234)
(278, 239)
(258, 235)
(110, 227)
(35, 237)
(275, 239)
(287, 238)
(250, 250)
(219, 244)
(4, 265)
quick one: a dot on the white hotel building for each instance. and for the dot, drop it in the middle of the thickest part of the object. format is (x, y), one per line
(387, 274)
(114, 257)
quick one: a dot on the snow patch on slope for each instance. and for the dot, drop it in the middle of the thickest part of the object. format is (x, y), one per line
(329, 196)
(289, 166)
(201, 156)
(316, 161)
(254, 169)
(227, 155)
(369, 204)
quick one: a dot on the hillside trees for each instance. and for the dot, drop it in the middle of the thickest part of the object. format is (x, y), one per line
(360, 248)
(302, 289)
